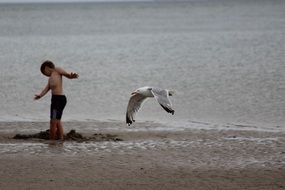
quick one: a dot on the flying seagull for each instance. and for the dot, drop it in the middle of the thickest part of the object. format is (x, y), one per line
(140, 95)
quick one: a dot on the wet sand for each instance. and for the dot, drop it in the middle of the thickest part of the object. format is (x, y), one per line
(144, 159)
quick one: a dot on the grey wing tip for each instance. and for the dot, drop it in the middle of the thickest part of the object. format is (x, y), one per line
(128, 120)
(168, 110)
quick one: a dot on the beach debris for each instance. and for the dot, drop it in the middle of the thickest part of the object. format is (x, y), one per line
(106, 137)
(72, 135)
(41, 135)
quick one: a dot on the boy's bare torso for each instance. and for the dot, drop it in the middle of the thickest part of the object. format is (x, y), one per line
(55, 82)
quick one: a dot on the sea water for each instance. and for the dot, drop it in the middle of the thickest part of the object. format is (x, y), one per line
(224, 59)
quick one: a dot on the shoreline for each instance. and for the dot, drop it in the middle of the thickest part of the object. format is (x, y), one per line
(144, 159)
(120, 125)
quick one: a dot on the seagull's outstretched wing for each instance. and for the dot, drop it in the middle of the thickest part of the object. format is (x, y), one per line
(162, 96)
(134, 105)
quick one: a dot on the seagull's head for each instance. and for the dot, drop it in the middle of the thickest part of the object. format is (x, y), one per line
(145, 91)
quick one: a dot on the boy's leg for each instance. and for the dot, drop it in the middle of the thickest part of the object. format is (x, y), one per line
(53, 129)
(57, 106)
(60, 130)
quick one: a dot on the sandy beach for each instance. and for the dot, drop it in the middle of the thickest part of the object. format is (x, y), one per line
(145, 159)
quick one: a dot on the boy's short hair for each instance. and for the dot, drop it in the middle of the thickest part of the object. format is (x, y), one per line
(45, 64)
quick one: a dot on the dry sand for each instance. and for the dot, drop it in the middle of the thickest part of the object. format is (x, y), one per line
(189, 159)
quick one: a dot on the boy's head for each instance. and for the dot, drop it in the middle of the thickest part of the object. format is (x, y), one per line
(47, 67)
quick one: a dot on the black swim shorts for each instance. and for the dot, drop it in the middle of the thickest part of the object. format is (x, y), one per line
(58, 103)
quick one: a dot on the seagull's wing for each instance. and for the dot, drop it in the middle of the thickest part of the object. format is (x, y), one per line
(162, 96)
(134, 105)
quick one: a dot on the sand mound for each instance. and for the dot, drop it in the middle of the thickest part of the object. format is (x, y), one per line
(72, 135)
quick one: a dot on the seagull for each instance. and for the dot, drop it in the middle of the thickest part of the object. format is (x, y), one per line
(141, 94)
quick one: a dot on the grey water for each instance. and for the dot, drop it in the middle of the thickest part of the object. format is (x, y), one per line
(224, 59)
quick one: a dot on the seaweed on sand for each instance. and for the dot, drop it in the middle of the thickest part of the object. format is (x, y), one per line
(72, 135)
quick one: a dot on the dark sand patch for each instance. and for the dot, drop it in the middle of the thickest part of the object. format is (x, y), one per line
(72, 135)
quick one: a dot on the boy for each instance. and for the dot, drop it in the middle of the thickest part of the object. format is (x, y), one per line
(58, 100)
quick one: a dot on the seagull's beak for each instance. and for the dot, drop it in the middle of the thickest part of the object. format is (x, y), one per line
(133, 93)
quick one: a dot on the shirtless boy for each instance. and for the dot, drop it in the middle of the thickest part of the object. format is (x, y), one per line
(58, 100)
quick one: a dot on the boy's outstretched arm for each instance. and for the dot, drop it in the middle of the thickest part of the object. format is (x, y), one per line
(66, 74)
(45, 90)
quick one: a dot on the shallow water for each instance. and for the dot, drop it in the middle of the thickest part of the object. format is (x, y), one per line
(196, 145)
(224, 59)
(227, 152)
